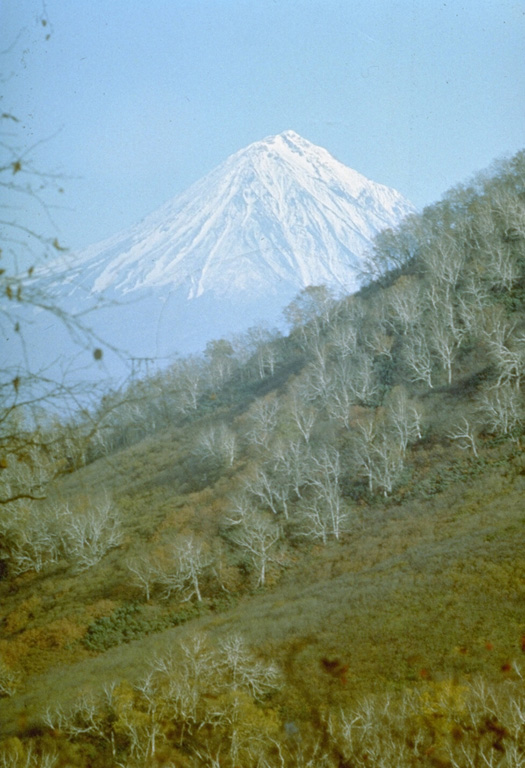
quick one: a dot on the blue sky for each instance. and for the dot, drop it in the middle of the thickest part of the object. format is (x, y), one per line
(136, 100)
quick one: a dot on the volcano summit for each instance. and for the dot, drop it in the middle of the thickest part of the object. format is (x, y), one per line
(234, 248)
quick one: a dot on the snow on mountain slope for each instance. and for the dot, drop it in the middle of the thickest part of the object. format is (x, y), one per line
(229, 253)
(275, 217)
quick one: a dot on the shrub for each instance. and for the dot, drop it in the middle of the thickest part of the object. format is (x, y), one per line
(128, 623)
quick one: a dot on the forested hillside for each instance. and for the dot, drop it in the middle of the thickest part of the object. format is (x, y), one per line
(290, 551)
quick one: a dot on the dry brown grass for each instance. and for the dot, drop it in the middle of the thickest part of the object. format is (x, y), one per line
(418, 590)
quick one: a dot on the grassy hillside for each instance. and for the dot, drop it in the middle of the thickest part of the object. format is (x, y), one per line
(300, 551)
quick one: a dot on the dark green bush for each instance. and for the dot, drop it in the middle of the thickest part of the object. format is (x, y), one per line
(128, 623)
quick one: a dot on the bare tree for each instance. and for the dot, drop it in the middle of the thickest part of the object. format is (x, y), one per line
(143, 725)
(379, 342)
(30, 536)
(502, 266)
(145, 572)
(343, 339)
(405, 303)
(363, 438)
(465, 433)
(88, 533)
(302, 413)
(507, 206)
(417, 357)
(444, 343)
(180, 677)
(323, 511)
(84, 715)
(242, 669)
(341, 384)
(393, 248)
(403, 418)
(10, 757)
(387, 462)
(344, 332)
(35, 534)
(257, 534)
(218, 442)
(270, 488)
(219, 355)
(10, 679)
(340, 394)
(362, 381)
(472, 301)
(188, 375)
(33, 456)
(313, 302)
(506, 346)
(262, 419)
(291, 464)
(317, 376)
(377, 454)
(444, 260)
(266, 353)
(501, 409)
(232, 736)
(189, 562)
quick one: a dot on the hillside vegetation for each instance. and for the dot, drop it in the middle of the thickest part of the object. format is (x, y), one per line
(290, 551)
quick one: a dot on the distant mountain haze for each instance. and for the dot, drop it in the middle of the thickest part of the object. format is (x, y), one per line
(234, 249)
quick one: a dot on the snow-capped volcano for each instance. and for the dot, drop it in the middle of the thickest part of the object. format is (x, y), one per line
(233, 250)
(275, 217)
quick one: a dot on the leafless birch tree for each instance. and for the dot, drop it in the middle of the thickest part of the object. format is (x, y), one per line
(257, 534)
(188, 562)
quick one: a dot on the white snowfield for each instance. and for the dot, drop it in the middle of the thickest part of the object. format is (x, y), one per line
(275, 217)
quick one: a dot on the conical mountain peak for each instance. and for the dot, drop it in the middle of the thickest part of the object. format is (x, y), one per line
(273, 218)
(236, 247)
